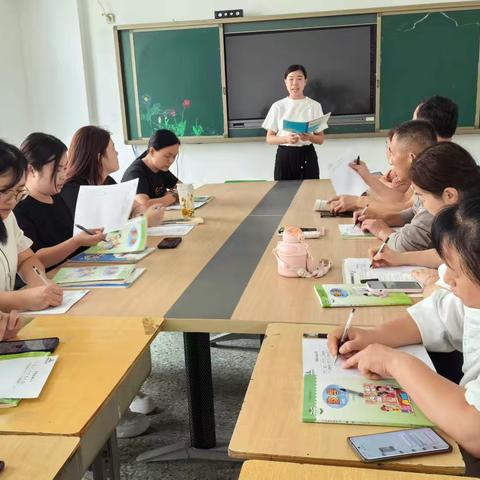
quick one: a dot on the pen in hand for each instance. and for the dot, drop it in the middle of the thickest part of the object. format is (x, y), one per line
(380, 250)
(83, 229)
(357, 223)
(40, 274)
(357, 161)
(344, 334)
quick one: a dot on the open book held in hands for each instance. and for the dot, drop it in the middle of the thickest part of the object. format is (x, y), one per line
(318, 124)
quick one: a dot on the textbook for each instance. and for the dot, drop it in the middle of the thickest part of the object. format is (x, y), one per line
(131, 238)
(357, 270)
(86, 276)
(307, 127)
(132, 278)
(111, 257)
(332, 394)
(198, 201)
(343, 295)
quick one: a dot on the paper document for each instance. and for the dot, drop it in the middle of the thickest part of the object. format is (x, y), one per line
(345, 180)
(172, 230)
(70, 298)
(349, 230)
(357, 269)
(106, 206)
(25, 377)
(197, 201)
(317, 125)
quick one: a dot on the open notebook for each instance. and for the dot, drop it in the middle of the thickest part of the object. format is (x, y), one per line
(357, 270)
(332, 394)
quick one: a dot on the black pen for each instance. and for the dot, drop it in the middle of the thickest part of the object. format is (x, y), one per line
(357, 161)
(83, 229)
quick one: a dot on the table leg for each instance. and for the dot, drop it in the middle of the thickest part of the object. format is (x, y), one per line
(106, 465)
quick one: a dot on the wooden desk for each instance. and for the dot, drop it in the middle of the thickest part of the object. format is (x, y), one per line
(269, 425)
(263, 470)
(38, 457)
(292, 300)
(101, 366)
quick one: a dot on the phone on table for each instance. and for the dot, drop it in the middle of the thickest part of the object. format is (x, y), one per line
(308, 232)
(24, 346)
(169, 242)
(378, 447)
(405, 287)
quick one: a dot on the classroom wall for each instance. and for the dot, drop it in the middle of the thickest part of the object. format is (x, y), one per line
(14, 101)
(92, 95)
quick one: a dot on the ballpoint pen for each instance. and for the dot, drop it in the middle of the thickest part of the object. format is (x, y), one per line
(344, 334)
(380, 250)
(42, 277)
(357, 160)
(83, 229)
(361, 213)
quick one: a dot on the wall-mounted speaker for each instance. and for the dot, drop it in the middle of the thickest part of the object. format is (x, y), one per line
(237, 13)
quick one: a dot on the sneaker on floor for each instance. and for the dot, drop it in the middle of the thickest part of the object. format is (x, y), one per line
(132, 425)
(142, 404)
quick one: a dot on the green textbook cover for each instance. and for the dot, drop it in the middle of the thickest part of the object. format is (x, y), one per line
(343, 295)
(86, 275)
(131, 238)
(332, 394)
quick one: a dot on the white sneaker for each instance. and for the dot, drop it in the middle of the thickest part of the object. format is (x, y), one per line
(132, 425)
(142, 404)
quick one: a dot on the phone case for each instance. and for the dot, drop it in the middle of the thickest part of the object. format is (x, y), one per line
(169, 242)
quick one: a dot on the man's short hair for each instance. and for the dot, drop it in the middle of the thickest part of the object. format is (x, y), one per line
(442, 113)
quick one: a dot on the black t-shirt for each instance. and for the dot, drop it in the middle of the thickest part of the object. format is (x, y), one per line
(46, 224)
(153, 184)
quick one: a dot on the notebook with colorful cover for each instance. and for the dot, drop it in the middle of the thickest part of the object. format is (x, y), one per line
(83, 276)
(131, 238)
(111, 257)
(343, 295)
(332, 394)
(320, 124)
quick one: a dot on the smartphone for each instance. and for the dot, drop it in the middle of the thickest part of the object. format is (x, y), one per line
(303, 229)
(412, 442)
(24, 346)
(406, 287)
(169, 242)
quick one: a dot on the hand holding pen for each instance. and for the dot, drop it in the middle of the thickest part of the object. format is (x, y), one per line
(357, 216)
(380, 250)
(344, 336)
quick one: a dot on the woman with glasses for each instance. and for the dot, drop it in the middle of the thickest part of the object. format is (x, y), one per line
(92, 158)
(16, 255)
(43, 215)
(155, 181)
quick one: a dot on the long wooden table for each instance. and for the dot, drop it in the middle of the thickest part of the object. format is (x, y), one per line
(269, 426)
(102, 363)
(39, 457)
(184, 285)
(264, 470)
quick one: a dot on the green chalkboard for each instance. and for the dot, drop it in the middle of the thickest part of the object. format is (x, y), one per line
(172, 79)
(425, 54)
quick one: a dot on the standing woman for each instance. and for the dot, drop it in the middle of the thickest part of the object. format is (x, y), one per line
(296, 158)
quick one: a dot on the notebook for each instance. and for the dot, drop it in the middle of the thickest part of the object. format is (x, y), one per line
(111, 257)
(83, 276)
(320, 123)
(343, 295)
(332, 394)
(349, 230)
(70, 298)
(357, 270)
(131, 238)
(171, 230)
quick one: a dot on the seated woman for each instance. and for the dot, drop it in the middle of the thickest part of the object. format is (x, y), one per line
(43, 215)
(15, 253)
(155, 181)
(445, 321)
(91, 159)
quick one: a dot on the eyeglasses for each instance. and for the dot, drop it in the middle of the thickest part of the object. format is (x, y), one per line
(17, 195)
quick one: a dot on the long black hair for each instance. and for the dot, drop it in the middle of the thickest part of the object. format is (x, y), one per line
(458, 226)
(444, 165)
(162, 138)
(12, 161)
(41, 149)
